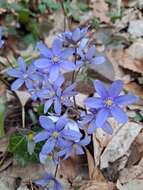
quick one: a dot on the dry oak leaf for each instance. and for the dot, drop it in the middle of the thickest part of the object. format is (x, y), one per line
(124, 59)
(100, 10)
(134, 88)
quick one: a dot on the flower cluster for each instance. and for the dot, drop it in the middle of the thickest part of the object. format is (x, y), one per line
(44, 80)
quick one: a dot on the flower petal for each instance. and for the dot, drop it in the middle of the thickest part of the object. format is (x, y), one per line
(94, 102)
(62, 121)
(90, 53)
(41, 136)
(79, 150)
(42, 63)
(85, 141)
(101, 117)
(59, 81)
(44, 50)
(71, 134)
(54, 72)
(119, 114)
(14, 73)
(116, 88)
(126, 99)
(48, 105)
(69, 91)
(98, 60)
(66, 53)
(21, 64)
(76, 35)
(92, 127)
(17, 84)
(57, 105)
(48, 146)
(100, 88)
(107, 128)
(46, 123)
(57, 46)
(68, 65)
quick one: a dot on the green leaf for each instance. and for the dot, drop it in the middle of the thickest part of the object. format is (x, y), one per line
(2, 116)
(51, 4)
(18, 145)
(95, 22)
(24, 16)
(42, 7)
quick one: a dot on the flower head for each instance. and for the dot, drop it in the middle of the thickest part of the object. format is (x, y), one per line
(23, 74)
(54, 59)
(73, 147)
(73, 37)
(90, 56)
(49, 182)
(89, 121)
(54, 133)
(110, 102)
(56, 95)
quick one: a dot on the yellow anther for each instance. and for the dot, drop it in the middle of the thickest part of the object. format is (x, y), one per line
(109, 102)
(55, 134)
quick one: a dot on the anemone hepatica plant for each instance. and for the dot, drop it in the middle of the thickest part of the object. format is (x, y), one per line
(61, 134)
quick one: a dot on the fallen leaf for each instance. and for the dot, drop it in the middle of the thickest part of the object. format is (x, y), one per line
(119, 146)
(136, 28)
(134, 88)
(100, 10)
(131, 173)
(91, 164)
(124, 59)
(131, 185)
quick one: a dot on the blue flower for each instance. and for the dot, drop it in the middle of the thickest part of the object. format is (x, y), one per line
(49, 182)
(69, 148)
(23, 74)
(55, 95)
(110, 102)
(90, 56)
(1, 41)
(54, 59)
(75, 36)
(89, 121)
(54, 133)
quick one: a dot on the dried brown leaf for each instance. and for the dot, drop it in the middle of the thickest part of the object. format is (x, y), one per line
(100, 10)
(134, 88)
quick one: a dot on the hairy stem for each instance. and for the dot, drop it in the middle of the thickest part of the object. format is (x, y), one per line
(23, 116)
(74, 78)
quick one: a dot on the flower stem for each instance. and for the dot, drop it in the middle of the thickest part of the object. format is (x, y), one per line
(23, 116)
(74, 78)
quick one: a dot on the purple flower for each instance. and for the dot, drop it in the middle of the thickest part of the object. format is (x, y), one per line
(1, 41)
(49, 182)
(56, 95)
(89, 121)
(73, 37)
(110, 102)
(54, 133)
(92, 58)
(54, 59)
(72, 147)
(23, 74)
